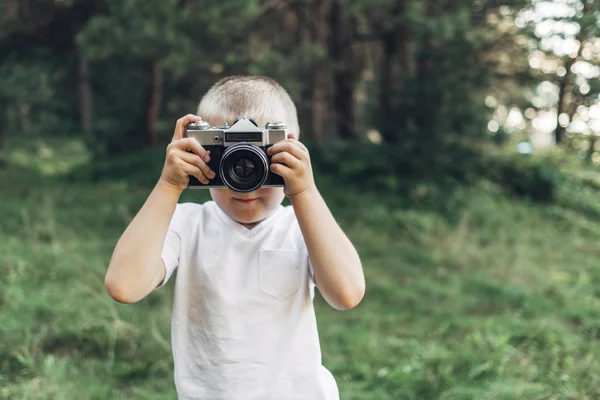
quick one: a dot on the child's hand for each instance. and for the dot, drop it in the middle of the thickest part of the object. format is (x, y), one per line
(185, 157)
(291, 160)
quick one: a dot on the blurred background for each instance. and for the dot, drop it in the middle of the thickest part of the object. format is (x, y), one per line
(454, 140)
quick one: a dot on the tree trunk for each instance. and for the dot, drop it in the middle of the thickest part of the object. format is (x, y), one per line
(290, 22)
(559, 132)
(396, 66)
(3, 125)
(86, 105)
(319, 81)
(24, 121)
(3, 128)
(590, 152)
(386, 84)
(342, 56)
(566, 86)
(2, 142)
(298, 33)
(155, 98)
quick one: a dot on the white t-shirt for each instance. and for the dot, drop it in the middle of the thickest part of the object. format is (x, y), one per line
(243, 323)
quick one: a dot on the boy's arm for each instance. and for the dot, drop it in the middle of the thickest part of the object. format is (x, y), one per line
(136, 267)
(337, 268)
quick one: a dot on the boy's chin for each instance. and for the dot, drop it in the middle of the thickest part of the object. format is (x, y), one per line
(252, 218)
(245, 218)
(249, 222)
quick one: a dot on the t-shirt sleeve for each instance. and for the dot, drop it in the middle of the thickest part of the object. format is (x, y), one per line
(311, 272)
(172, 246)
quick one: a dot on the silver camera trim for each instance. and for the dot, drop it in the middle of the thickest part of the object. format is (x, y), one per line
(208, 135)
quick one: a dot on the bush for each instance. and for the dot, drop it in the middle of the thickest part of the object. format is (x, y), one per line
(526, 176)
(391, 168)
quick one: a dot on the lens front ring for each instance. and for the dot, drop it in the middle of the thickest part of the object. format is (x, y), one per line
(250, 152)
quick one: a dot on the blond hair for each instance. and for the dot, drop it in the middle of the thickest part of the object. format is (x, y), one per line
(249, 96)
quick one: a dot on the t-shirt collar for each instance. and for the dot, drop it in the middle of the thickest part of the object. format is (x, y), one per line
(241, 229)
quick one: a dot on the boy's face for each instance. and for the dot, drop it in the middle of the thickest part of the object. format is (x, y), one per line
(247, 208)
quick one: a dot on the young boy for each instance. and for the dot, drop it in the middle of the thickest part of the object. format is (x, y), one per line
(243, 323)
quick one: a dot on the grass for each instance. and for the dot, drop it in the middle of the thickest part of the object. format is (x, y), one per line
(472, 293)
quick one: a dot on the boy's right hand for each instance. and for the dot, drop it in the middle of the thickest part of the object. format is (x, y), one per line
(185, 157)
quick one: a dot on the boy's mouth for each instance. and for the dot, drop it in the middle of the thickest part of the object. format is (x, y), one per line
(245, 201)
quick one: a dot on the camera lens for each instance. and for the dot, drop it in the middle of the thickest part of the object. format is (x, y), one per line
(244, 167)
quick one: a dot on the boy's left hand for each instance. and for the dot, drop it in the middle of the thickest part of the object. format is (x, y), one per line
(290, 159)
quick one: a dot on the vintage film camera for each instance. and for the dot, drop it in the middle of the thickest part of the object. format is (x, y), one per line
(238, 154)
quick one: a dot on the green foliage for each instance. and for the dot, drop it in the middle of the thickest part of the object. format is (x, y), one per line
(389, 168)
(526, 176)
(30, 97)
(142, 168)
(25, 83)
(192, 44)
(141, 29)
(439, 97)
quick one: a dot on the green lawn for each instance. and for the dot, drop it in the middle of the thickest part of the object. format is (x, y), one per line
(471, 293)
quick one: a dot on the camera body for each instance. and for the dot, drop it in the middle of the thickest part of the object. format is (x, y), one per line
(238, 154)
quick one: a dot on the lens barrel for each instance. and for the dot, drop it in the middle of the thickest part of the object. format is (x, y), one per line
(244, 167)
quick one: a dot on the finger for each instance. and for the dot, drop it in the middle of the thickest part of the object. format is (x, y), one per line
(294, 138)
(196, 172)
(191, 144)
(181, 125)
(281, 170)
(301, 145)
(287, 159)
(195, 160)
(287, 145)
